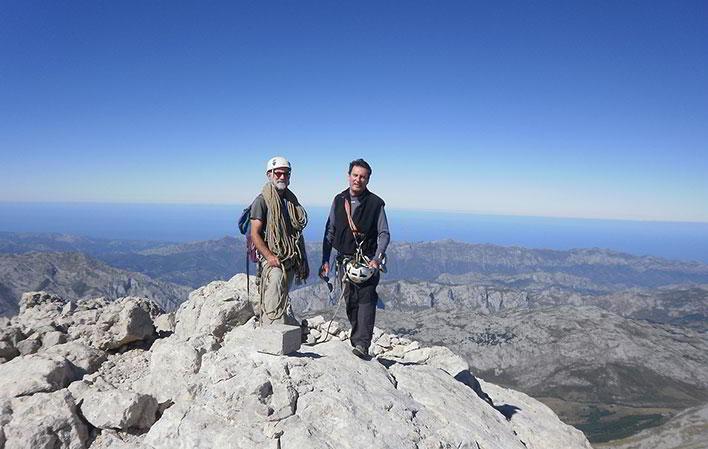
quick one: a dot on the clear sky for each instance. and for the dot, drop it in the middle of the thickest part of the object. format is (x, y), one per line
(593, 109)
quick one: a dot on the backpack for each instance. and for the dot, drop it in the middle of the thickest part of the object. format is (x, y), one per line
(244, 226)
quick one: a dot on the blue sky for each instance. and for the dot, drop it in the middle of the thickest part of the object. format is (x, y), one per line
(571, 109)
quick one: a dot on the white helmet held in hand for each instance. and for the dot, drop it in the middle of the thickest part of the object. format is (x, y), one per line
(358, 272)
(277, 162)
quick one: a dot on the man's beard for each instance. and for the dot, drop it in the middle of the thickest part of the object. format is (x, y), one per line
(280, 185)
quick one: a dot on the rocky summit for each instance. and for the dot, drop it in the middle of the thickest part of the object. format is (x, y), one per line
(98, 374)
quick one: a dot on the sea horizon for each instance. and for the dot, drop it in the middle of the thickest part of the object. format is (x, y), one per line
(172, 222)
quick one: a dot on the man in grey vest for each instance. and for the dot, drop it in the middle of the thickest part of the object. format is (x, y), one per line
(277, 222)
(358, 229)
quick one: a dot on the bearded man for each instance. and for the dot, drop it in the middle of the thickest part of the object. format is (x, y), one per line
(277, 222)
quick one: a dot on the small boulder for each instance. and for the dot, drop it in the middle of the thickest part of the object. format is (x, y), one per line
(85, 358)
(165, 323)
(34, 373)
(43, 300)
(132, 323)
(438, 357)
(43, 421)
(173, 364)
(118, 409)
(108, 326)
(214, 309)
(30, 345)
(10, 336)
(53, 338)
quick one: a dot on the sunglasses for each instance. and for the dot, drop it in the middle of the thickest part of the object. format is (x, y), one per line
(281, 174)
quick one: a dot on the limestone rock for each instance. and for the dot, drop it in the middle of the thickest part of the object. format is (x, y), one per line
(238, 397)
(10, 336)
(173, 365)
(118, 409)
(165, 322)
(30, 345)
(34, 373)
(41, 300)
(112, 325)
(438, 357)
(214, 309)
(53, 338)
(112, 439)
(45, 421)
(85, 358)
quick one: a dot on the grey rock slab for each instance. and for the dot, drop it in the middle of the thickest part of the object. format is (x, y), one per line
(450, 413)
(41, 299)
(214, 309)
(30, 345)
(165, 322)
(86, 358)
(112, 439)
(10, 336)
(200, 427)
(173, 365)
(8, 351)
(45, 421)
(34, 373)
(326, 397)
(131, 323)
(53, 338)
(118, 409)
(438, 357)
(111, 325)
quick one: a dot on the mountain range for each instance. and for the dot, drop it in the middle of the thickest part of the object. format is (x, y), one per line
(78, 276)
(614, 343)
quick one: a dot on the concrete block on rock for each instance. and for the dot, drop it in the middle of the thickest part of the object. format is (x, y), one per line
(278, 339)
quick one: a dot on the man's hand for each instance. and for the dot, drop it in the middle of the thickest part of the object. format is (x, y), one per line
(324, 270)
(373, 263)
(273, 261)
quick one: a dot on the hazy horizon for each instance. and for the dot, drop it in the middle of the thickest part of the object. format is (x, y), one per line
(184, 223)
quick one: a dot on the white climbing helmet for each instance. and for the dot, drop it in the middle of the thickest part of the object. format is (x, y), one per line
(358, 272)
(277, 162)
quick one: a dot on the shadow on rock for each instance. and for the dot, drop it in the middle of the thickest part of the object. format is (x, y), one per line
(309, 355)
(507, 410)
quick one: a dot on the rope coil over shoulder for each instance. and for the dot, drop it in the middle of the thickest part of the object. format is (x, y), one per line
(283, 239)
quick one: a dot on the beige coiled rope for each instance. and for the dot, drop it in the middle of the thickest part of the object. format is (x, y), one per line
(283, 240)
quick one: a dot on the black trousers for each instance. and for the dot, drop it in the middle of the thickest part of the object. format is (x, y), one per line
(361, 310)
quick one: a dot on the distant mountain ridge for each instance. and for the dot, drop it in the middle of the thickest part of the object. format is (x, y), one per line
(25, 242)
(598, 271)
(77, 276)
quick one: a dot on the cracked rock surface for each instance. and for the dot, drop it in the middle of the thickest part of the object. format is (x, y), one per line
(206, 386)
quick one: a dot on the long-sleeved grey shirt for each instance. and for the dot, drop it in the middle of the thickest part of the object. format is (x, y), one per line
(382, 240)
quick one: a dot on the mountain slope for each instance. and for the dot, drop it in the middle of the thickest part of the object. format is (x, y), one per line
(76, 276)
(583, 361)
(687, 430)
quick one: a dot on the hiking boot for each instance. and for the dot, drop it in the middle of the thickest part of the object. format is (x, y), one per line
(360, 352)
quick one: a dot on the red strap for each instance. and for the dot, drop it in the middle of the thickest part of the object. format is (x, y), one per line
(348, 209)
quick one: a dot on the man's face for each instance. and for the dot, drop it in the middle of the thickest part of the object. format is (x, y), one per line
(358, 179)
(280, 177)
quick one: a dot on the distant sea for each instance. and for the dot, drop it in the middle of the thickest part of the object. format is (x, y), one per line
(181, 223)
